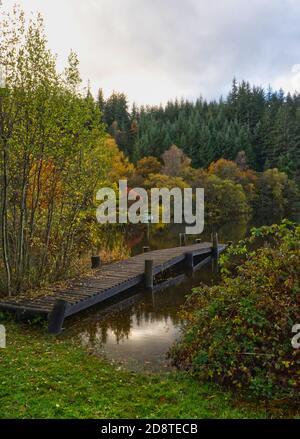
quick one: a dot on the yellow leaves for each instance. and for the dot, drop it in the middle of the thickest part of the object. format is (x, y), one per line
(237, 320)
(119, 164)
(287, 363)
(148, 165)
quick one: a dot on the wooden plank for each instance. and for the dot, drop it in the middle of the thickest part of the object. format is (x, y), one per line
(103, 296)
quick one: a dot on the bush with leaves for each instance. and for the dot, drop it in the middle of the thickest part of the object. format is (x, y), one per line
(239, 332)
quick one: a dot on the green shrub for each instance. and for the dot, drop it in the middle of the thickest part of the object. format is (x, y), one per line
(239, 332)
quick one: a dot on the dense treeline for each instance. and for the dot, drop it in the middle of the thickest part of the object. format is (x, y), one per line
(232, 189)
(264, 124)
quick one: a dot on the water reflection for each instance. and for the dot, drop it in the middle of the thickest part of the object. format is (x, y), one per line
(158, 236)
(144, 347)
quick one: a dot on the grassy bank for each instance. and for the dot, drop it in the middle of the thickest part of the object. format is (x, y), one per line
(45, 377)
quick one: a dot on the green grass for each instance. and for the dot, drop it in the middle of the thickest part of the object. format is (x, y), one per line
(45, 377)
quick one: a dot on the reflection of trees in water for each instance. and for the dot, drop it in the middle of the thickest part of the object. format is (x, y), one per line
(168, 236)
(119, 324)
(96, 333)
(154, 308)
(160, 236)
(164, 236)
(163, 313)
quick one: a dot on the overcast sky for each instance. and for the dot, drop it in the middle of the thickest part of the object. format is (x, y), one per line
(155, 50)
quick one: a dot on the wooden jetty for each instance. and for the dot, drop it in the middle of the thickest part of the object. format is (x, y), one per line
(109, 281)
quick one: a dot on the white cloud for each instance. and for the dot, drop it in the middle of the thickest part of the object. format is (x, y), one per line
(155, 50)
(289, 82)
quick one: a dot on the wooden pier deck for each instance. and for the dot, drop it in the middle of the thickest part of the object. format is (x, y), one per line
(106, 282)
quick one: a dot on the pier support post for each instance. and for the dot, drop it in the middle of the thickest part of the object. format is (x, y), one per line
(95, 261)
(148, 274)
(189, 260)
(182, 239)
(57, 316)
(215, 245)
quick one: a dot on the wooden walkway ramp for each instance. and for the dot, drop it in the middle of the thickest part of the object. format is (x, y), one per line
(106, 282)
